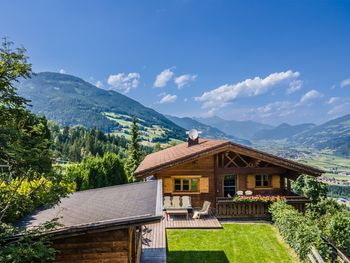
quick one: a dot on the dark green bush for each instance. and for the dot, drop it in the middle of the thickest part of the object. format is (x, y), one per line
(333, 220)
(297, 230)
(95, 172)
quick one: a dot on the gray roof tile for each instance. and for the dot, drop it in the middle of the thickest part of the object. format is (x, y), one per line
(121, 203)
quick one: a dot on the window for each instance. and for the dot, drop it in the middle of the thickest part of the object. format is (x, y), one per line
(229, 185)
(186, 185)
(263, 180)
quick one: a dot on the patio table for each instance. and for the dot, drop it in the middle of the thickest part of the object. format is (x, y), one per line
(177, 212)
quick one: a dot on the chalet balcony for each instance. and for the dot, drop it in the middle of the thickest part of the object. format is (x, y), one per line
(229, 208)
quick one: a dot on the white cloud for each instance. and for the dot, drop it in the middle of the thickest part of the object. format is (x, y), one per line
(223, 95)
(278, 108)
(309, 96)
(339, 109)
(99, 84)
(62, 71)
(294, 86)
(163, 78)
(333, 100)
(183, 80)
(124, 82)
(344, 83)
(339, 106)
(168, 98)
(185, 99)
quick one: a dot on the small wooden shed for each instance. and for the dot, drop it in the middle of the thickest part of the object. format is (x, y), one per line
(104, 224)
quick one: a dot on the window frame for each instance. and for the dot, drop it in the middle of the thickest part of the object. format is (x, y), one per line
(230, 186)
(189, 179)
(264, 178)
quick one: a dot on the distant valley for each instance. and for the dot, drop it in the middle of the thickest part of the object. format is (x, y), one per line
(282, 131)
(207, 131)
(71, 101)
(241, 129)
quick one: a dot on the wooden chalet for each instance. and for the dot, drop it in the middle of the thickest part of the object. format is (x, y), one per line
(104, 224)
(212, 170)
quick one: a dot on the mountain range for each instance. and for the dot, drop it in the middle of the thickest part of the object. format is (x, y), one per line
(206, 130)
(241, 129)
(334, 134)
(282, 131)
(70, 101)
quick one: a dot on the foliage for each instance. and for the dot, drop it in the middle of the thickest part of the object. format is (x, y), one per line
(95, 172)
(134, 154)
(24, 148)
(309, 187)
(13, 65)
(26, 195)
(29, 246)
(338, 191)
(24, 137)
(74, 143)
(157, 147)
(334, 222)
(298, 231)
(258, 198)
(244, 243)
(338, 231)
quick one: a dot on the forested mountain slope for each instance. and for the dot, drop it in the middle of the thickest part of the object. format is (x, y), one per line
(71, 101)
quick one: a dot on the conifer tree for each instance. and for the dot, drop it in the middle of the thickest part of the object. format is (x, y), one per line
(134, 154)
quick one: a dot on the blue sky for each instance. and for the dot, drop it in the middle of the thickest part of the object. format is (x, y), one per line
(269, 61)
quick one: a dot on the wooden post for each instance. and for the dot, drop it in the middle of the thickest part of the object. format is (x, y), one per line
(288, 185)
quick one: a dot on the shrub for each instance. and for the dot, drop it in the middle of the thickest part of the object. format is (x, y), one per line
(334, 222)
(308, 186)
(23, 197)
(338, 231)
(95, 172)
(299, 232)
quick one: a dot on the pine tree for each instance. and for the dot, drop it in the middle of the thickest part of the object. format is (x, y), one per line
(134, 154)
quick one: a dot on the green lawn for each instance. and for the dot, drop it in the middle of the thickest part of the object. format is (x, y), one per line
(237, 243)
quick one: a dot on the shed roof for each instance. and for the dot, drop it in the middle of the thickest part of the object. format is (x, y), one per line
(103, 207)
(181, 153)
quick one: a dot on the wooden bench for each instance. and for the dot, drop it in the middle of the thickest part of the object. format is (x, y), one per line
(177, 212)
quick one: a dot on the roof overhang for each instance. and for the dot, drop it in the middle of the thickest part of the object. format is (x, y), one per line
(108, 225)
(245, 150)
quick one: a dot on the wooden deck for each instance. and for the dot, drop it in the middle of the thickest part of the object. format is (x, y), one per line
(154, 235)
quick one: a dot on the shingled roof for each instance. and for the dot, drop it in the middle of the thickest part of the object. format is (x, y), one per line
(181, 153)
(103, 207)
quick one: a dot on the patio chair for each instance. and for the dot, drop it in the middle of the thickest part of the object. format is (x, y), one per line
(203, 211)
(248, 192)
(239, 192)
(186, 202)
(166, 202)
(176, 202)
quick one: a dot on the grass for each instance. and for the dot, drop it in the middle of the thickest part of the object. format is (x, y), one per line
(329, 161)
(234, 243)
(146, 133)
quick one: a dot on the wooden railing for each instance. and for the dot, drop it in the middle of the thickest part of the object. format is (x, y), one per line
(227, 208)
(232, 209)
(299, 202)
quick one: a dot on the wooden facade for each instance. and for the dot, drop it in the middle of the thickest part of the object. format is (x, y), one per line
(212, 170)
(119, 246)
